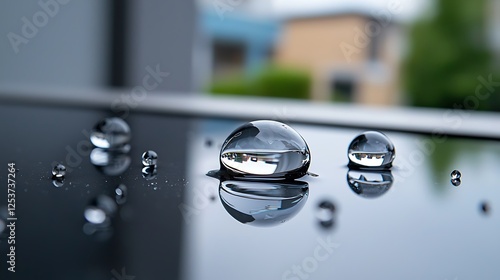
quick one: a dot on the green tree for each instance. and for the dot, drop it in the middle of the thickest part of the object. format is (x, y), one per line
(447, 53)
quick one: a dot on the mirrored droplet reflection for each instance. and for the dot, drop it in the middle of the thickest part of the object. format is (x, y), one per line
(456, 182)
(111, 163)
(100, 210)
(370, 184)
(100, 232)
(58, 171)
(58, 182)
(265, 149)
(121, 194)
(326, 214)
(371, 150)
(149, 172)
(149, 158)
(263, 203)
(455, 174)
(110, 133)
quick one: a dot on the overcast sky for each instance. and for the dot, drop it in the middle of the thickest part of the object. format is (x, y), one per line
(409, 8)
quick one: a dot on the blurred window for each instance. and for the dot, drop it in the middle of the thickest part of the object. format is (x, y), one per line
(343, 87)
(229, 58)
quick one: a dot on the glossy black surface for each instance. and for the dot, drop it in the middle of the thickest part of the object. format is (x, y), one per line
(175, 225)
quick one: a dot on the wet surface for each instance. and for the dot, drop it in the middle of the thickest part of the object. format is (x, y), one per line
(182, 224)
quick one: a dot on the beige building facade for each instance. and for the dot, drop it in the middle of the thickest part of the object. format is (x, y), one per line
(351, 57)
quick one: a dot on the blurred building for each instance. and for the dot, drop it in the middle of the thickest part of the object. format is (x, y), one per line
(238, 37)
(351, 56)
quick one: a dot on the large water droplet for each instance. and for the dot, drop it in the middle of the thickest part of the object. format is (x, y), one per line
(263, 203)
(371, 150)
(265, 149)
(111, 163)
(326, 214)
(149, 158)
(369, 184)
(100, 209)
(110, 133)
(58, 171)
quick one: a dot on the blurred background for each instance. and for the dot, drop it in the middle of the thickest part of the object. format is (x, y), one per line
(432, 53)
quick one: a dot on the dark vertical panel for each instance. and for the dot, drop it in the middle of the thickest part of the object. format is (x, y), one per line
(118, 45)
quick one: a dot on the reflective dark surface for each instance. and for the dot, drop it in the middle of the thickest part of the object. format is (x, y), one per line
(175, 225)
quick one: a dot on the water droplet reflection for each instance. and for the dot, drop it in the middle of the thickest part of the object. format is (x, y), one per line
(121, 194)
(372, 150)
(326, 214)
(265, 149)
(456, 182)
(110, 133)
(369, 184)
(149, 172)
(58, 182)
(111, 163)
(263, 203)
(100, 210)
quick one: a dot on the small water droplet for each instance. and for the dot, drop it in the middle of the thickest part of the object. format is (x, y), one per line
(369, 184)
(485, 207)
(208, 142)
(110, 133)
(59, 170)
(263, 203)
(371, 149)
(455, 174)
(265, 149)
(100, 209)
(121, 194)
(149, 172)
(149, 158)
(326, 214)
(155, 188)
(58, 182)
